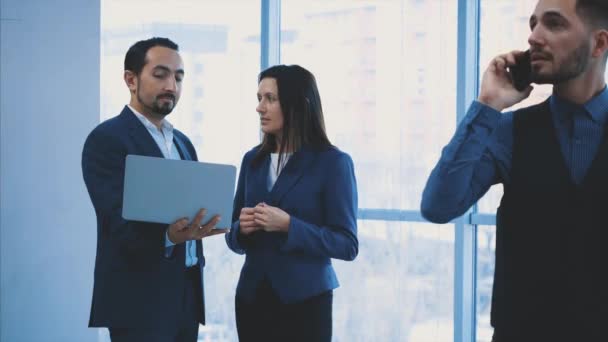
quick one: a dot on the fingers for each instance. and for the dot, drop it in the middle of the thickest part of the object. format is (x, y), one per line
(194, 230)
(509, 59)
(211, 223)
(261, 208)
(179, 225)
(204, 230)
(261, 215)
(261, 205)
(247, 211)
(246, 217)
(178, 230)
(249, 230)
(501, 62)
(254, 219)
(196, 222)
(261, 218)
(248, 223)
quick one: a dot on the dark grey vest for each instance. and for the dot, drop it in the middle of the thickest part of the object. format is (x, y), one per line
(551, 273)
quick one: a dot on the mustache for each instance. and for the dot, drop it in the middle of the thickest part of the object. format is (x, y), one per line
(538, 53)
(166, 95)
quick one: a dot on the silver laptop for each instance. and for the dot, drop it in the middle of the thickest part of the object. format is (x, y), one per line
(164, 190)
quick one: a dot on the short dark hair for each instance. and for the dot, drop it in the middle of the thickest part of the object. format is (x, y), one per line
(595, 12)
(303, 122)
(136, 56)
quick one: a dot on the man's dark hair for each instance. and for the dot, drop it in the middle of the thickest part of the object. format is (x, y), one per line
(136, 56)
(595, 12)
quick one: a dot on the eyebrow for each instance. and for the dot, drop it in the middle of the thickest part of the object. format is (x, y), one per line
(553, 13)
(167, 69)
(267, 93)
(550, 14)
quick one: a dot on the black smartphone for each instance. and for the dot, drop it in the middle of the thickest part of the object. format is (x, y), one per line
(521, 71)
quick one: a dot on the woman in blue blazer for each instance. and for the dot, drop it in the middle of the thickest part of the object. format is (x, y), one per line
(295, 209)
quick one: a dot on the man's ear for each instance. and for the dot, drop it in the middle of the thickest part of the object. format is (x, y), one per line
(601, 43)
(130, 80)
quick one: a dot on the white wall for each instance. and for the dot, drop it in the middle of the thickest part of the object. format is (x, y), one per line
(49, 101)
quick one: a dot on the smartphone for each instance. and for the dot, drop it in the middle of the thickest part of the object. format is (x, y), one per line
(521, 71)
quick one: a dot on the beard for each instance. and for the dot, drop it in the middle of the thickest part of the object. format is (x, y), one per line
(574, 65)
(159, 105)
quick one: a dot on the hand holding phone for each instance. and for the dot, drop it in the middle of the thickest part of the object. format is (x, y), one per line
(521, 71)
(506, 80)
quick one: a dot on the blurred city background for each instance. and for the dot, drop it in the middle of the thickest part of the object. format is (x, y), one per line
(386, 71)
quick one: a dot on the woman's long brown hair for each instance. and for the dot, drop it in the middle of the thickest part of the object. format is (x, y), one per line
(303, 123)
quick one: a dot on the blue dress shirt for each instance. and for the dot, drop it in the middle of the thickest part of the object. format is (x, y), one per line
(164, 139)
(479, 154)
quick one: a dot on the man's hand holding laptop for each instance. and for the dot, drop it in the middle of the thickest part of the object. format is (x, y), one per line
(181, 231)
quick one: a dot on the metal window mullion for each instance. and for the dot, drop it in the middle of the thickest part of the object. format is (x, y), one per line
(483, 219)
(390, 215)
(270, 40)
(465, 240)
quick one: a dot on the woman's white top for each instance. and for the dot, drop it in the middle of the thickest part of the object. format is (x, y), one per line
(273, 173)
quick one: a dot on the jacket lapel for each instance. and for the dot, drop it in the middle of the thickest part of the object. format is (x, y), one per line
(181, 147)
(257, 178)
(295, 168)
(140, 135)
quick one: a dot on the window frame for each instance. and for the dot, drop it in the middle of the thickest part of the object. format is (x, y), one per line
(465, 248)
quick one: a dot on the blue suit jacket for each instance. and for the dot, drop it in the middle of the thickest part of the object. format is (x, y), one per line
(318, 190)
(137, 284)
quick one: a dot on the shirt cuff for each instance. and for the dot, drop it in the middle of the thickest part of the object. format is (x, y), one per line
(168, 242)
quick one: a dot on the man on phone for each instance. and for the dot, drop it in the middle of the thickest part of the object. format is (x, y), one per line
(148, 283)
(551, 276)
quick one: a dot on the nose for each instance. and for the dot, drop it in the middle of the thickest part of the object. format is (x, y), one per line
(171, 85)
(260, 107)
(535, 38)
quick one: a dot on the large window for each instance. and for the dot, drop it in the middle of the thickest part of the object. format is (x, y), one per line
(220, 44)
(386, 72)
(387, 76)
(400, 286)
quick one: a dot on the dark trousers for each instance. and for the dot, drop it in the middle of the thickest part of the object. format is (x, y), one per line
(267, 319)
(191, 314)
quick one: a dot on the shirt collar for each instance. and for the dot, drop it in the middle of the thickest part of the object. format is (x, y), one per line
(596, 108)
(164, 124)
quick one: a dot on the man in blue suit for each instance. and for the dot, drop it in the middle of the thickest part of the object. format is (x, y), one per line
(148, 283)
